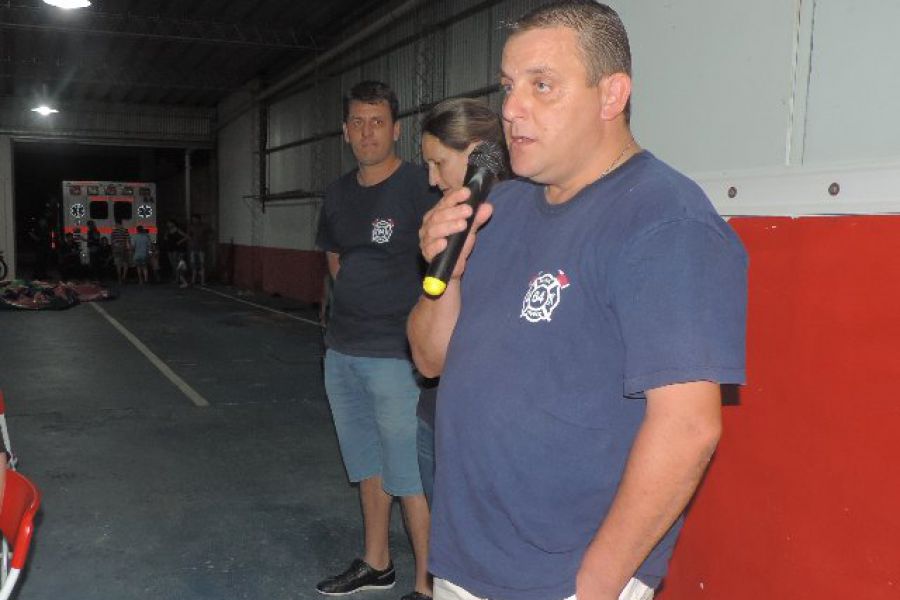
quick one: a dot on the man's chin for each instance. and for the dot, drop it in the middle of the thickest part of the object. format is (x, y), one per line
(523, 169)
(370, 161)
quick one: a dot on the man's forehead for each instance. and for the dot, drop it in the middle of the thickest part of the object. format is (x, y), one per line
(535, 50)
(361, 108)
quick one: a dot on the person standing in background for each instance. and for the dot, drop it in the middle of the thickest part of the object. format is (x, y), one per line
(141, 244)
(175, 244)
(369, 232)
(198, 238)
(40, 238)
(121, 250)
(450, 131)
(93, 246)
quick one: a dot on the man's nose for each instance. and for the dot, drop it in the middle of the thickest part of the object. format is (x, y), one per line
(513, 106)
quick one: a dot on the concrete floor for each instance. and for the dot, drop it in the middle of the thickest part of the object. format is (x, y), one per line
(146, 494)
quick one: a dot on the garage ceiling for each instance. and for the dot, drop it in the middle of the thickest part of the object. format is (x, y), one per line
(167, 52)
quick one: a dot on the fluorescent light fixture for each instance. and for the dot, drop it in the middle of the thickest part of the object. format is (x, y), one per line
(68, 4)
(44, 110)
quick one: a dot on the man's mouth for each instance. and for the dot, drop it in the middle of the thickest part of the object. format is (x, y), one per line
(521, 140)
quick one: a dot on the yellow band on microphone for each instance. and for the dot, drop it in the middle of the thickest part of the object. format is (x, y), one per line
(433, 286)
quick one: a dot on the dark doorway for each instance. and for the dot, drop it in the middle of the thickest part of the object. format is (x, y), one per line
(41, 167)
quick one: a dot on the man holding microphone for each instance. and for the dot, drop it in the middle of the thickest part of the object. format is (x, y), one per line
(581, 340)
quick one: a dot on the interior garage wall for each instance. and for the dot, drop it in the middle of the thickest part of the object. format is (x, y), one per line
(437, 50)
(239, 213)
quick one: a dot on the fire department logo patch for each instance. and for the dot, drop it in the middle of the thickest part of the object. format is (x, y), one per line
(543, 296)
(382, 229)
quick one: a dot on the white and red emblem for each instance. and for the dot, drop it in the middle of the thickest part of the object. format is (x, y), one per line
(543, 296)
(382, 229)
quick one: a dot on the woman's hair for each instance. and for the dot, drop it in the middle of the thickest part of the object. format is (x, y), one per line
(458, 122)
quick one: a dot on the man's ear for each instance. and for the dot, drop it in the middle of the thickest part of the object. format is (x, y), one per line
(396, 131)
(346, 136)
(615, 90)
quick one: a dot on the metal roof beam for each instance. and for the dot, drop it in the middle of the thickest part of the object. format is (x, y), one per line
(107, 74)
(93, 22)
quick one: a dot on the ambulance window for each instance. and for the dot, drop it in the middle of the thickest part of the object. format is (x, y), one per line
(122, 210)
(99, 210)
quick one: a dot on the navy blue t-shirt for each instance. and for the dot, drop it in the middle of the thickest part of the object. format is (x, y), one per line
(569, 313)
(375, 230)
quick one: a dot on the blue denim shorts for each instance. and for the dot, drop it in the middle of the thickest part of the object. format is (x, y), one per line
(373, 402)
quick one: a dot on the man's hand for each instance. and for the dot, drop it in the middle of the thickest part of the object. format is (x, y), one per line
(589, 587)
(669, 456)
(448, 217)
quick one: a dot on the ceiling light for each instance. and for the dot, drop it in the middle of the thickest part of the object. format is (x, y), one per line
(44, 110)
(68, 4)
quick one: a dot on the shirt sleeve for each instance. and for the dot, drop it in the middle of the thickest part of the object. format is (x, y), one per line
(680, 293)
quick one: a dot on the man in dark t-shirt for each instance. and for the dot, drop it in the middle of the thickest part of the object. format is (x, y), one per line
(582, 340)
(369, 231)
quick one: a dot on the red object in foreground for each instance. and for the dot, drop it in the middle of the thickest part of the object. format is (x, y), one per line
(21, 501)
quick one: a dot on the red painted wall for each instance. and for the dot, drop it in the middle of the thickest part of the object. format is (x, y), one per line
(802, 499)
(297, 274)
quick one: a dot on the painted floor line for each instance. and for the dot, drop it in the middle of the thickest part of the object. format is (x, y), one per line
(262, 306)
(180, 383)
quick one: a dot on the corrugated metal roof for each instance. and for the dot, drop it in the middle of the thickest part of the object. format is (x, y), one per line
(168, 52)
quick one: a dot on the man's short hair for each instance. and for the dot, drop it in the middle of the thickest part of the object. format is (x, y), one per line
(372, 92)
(602, 38)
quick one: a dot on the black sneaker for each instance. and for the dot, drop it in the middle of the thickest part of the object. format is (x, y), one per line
(415, 596)
(359, 576)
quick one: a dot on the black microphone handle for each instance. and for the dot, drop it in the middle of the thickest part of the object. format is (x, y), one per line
(441, 267)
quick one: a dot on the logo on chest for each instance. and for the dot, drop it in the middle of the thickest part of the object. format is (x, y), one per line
(543, 296)
(382, 230)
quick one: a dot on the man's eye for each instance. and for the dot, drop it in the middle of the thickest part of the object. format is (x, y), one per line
(543, 86)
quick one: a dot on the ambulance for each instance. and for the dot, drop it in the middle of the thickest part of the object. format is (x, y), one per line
(103, 202)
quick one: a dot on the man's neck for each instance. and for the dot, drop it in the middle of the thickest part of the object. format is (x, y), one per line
(369, 175)
(617, 150)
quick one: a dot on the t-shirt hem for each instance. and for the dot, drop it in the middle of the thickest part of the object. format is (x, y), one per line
(370, 353)
(651, 581)
(484, 590)
(723, 375)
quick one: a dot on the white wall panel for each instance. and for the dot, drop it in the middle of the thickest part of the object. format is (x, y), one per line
(712, 80)
(237, 221)
(854, 88)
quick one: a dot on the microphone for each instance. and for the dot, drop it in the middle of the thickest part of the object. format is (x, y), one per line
(485, 165)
